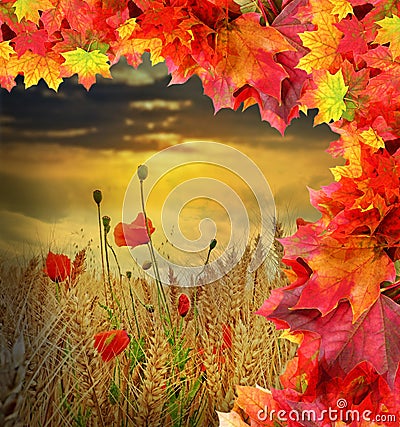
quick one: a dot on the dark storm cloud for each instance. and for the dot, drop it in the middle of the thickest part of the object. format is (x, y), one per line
(119, 115)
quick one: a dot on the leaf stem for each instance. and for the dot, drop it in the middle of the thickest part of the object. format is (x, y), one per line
(261, 6)
(274, 9)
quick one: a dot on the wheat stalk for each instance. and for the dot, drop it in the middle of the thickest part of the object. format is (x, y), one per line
(12, 375)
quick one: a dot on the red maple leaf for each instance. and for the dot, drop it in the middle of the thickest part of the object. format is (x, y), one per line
(36, 41)
(374, 337)
(351, 269)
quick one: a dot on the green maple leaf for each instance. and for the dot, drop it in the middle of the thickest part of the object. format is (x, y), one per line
(29, 9)
(86, 65)
(328, 97)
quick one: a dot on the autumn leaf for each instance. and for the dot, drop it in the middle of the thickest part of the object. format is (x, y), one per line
(353, 269)
(323, 44)
(126, 29)
(35, 41)
(257, 404)
(327, 97)
(6, 50)
(341, 8)
(374, 337)
(371, 138)
(86, 65)
(357, 82)
(230, 419)
(36, 67)
(390, 33)
(29, 9)
(9, 69)
(348, 147)
(245, 55)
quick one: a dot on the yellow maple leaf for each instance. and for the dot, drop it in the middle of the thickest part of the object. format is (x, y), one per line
(327, 97)
(125, 30)
(318, 9)
(6, 50)
(29, 9)
(390, 33)
(86, 65)
(341, 8)
(371, 138)
(352, 153)
(36, 67)
(294, 337)
(323, 44)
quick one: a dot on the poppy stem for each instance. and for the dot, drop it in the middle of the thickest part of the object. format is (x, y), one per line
(102, 252)
(132, 294)
(116, 261)
(160, 289)
(108, 263)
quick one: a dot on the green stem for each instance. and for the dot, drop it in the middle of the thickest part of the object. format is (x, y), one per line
(116, 261)
(160, 289)
(134, 309)
(108, 264)
(102, 252)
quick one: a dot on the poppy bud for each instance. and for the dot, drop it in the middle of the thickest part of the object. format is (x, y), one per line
(97, 196)
(213, 244)
(146, 265)
(128, 275)
(183, 305)
(142, 172)
(106, 223)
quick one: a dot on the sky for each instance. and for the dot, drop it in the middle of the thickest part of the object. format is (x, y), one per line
(56, 148)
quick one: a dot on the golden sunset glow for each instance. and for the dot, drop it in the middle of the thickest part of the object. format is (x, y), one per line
(51, 164)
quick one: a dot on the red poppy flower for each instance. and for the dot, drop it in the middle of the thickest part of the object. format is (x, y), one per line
(133, 234)
(183, 305)
(58, 267)
(111, 343)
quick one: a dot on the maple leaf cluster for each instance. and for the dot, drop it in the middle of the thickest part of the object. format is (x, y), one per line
(339, 56)
(342, 303)
(240, 59)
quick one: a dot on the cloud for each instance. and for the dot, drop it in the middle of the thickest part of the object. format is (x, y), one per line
(6, 120)
(152, 141)
(61, 133)
(145, 74)
(160, 104)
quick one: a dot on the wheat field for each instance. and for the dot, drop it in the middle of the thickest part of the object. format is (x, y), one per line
(51, 375)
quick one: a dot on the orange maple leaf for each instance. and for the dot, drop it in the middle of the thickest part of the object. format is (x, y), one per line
(323, 44)
(353, 269)
(34, 67)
